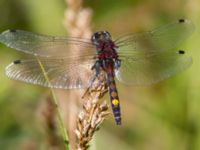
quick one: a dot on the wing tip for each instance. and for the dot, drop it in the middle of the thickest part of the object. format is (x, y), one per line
(181, 20)
(7, 70)
(16, 62)
(8, 31)
(181, 51)
(187, 21)
(12, 30)
(9, 67)
(6, 35)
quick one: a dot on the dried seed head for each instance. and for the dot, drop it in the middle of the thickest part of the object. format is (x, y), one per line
(78, 23)
(92, 119)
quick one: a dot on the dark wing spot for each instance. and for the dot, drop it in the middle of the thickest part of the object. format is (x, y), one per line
(17, 62)
(181, 20)
(181, 52)
(13, 30)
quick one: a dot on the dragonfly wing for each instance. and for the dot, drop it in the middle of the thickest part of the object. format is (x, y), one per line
(161, 39)
(152, 68)
(47, 46)
(61, 73)
(149, 57)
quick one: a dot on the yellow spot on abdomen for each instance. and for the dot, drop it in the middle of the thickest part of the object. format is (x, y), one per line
(115, 102)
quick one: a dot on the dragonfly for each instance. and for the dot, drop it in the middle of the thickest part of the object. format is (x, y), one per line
(141, 58)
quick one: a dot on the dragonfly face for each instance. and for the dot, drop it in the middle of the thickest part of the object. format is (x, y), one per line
(100, 36)
(135, 59)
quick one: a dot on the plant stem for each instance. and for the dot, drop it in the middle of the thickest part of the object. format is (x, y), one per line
(58, 112)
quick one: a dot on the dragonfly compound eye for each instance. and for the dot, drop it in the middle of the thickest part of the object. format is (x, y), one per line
(95, 38)
(106, 34)
(100, 36)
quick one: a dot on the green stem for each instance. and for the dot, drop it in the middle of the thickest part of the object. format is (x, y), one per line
(58, 111)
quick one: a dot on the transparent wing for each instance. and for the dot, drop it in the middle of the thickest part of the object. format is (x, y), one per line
(62, 73)
(161, 39)
(42, 45)
(149, 57)
(146, 70)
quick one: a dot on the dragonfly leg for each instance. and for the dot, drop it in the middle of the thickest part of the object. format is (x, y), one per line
(100, 80)
(88, 89)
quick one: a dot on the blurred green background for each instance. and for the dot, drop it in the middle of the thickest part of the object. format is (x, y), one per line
(164, 116)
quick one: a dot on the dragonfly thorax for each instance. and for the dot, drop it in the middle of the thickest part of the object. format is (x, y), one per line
(106, 49)
(104, 45)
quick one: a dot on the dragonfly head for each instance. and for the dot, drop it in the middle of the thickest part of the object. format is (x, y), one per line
(101, 36)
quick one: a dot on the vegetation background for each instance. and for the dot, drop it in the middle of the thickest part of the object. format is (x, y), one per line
(164, 116)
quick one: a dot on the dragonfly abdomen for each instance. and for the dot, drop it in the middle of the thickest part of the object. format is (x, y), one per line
(114, 98)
